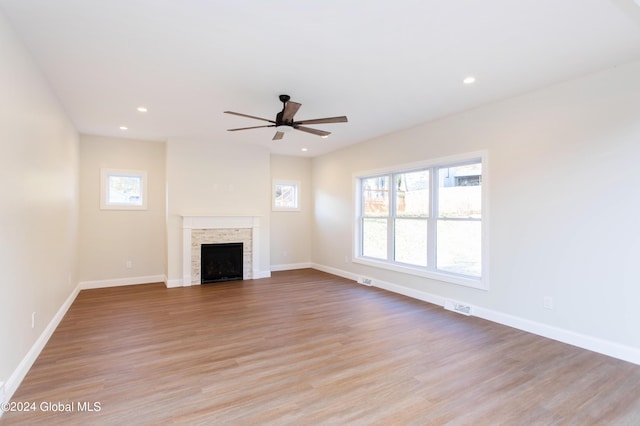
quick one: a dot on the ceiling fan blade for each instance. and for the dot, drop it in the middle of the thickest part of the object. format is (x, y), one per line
(341, 119)
(278, 136)
(247, 128)
(313, 131)
(248, 116)
(290, 109)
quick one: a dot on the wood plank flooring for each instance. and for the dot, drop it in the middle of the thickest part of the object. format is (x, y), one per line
(304, 348)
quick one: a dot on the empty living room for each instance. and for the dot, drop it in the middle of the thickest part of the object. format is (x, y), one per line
(328, 213)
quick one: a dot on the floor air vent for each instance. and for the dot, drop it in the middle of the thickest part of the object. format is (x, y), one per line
(365, 281)
(458, 307)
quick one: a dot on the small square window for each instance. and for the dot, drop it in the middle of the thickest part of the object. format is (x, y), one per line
(285, 195)
(123, 189)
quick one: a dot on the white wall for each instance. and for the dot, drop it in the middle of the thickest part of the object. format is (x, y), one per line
(110, 238)
(290, 236)
(38, 212)
(215, 178)
(564, 204)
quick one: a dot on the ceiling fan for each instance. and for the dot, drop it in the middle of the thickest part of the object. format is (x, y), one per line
(284, 120)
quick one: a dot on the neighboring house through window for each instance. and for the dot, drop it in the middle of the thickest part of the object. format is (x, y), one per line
(425, 218)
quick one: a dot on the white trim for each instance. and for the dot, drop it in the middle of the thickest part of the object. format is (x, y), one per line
(174, 283)
(294, 183)
(21, 371)
(480, 283)
(458, 158)
(106, 173)
(117, 282)
(335, 271)
(220, 222)
(290, 266)
(594, 344)
(422, 272)
(261, 274)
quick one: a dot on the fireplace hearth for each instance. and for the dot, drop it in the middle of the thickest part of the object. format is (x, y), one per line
(221, 262)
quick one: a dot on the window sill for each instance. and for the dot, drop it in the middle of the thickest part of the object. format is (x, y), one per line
(477, 283)
(285, 209)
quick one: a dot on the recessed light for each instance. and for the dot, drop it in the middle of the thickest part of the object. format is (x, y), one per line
(124, 128)
(142, 109)
(304, 150)
(469, 80)
(324, 137)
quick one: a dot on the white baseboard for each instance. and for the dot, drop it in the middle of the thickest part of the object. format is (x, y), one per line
(594, 344)
(290, 266)
(335, 271)
(23, 368)
(605, 347)
(261, 274)
(117, 282)
(178, 282)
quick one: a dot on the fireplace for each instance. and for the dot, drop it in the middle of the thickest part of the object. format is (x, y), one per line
(221, 262)
(199, 230)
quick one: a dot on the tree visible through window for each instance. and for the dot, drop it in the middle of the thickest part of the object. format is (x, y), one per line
(123, 189)
(285, 195)
(424, 218)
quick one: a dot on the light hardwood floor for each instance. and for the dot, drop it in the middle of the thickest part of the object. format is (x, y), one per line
(305, 347)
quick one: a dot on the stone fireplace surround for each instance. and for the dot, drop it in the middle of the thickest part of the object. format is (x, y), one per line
(198, 230)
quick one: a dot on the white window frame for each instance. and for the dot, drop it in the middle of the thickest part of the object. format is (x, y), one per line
(106, 174)
(293, 183)
(429, 271)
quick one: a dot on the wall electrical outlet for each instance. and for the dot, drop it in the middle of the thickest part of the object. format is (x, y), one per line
(33, 320)
(547, 302)
(129, 264)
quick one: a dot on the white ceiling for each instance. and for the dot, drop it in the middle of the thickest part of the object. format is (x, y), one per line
(387, 65)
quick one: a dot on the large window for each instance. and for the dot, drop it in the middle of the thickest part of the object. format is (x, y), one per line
(425, 219)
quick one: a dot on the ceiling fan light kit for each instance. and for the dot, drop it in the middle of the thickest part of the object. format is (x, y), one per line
(284, 128)
(285, 122)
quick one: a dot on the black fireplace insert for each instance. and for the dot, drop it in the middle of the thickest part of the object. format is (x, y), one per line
(220, 262)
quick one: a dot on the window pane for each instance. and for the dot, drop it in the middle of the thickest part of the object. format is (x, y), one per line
(412, 194)
(374, 238)
(125, 190)
(286, 196)
(459, 247)
(411, 241)
(375, 196)
(460, 191)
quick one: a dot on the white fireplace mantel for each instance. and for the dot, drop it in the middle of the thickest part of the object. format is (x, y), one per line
(218, 222)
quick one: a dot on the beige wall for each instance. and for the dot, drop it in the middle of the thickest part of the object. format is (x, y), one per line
(290, 236)
(38, 211)
(108, 239)
(219, 178)
(563, 204)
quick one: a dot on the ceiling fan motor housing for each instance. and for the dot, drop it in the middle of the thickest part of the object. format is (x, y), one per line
(285, 120)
